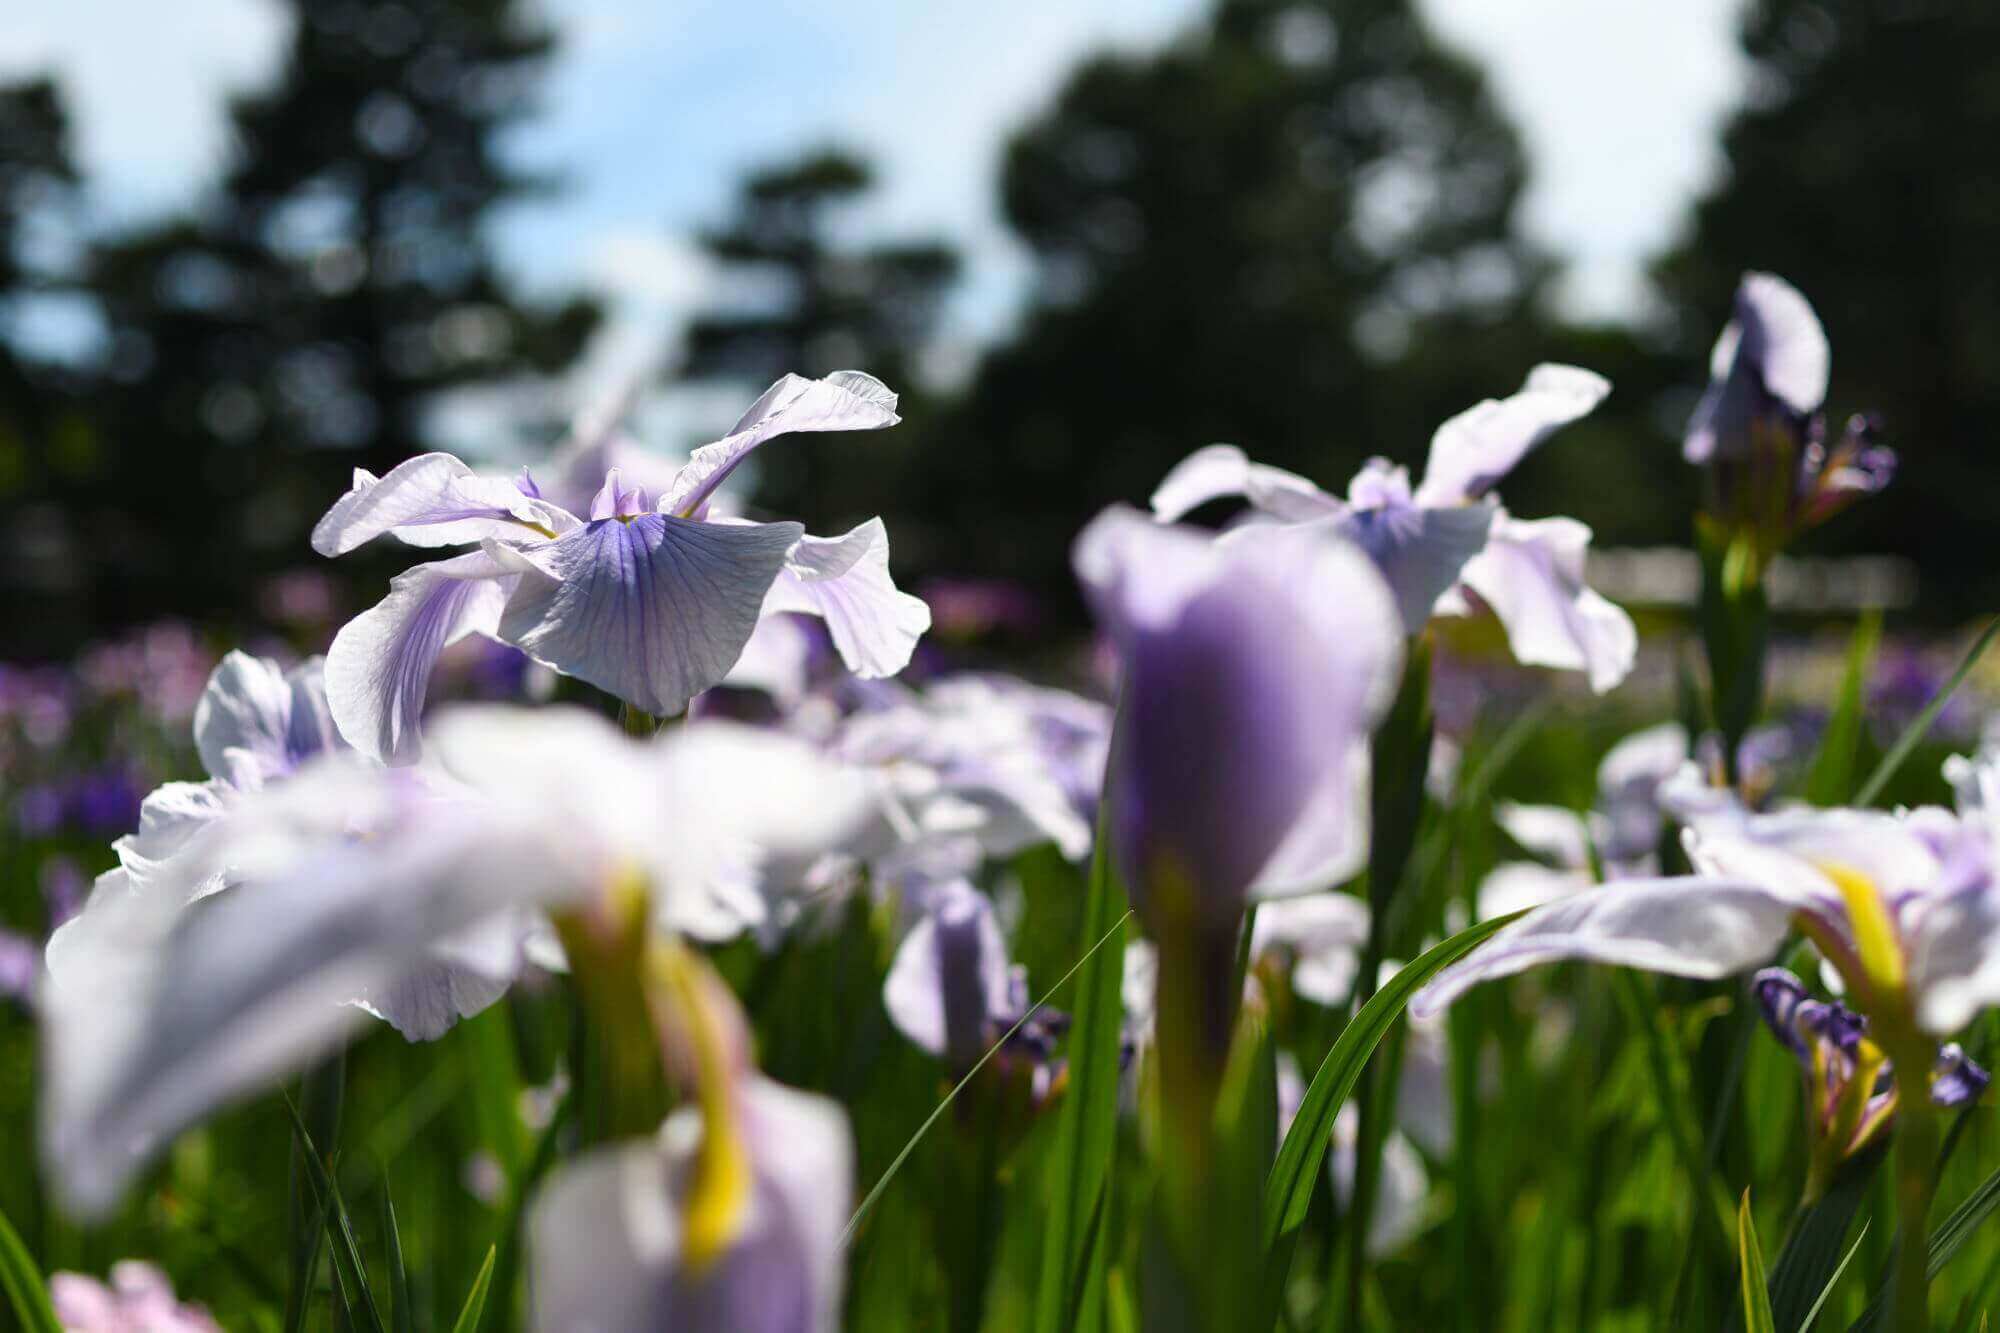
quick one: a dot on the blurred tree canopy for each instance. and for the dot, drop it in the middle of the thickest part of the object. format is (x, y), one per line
(1862, 169)
(806, 303)
(1292, 230)
(301, 319)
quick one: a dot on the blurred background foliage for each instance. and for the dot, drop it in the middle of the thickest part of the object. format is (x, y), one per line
(1294, 227)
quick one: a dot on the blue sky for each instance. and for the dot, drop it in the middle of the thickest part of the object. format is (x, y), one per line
(655, 106)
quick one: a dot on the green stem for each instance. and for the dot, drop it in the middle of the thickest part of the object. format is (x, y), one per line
(1916, 1151)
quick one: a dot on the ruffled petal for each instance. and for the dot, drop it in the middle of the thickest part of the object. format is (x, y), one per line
(434, 500)
(1221, 471)
(653, 611)
(1531, 574)
(247, 706)
(1421, 552)
(844, 400)
(1471, 452)
(1692, 927)
(379, 667)
(845, 580)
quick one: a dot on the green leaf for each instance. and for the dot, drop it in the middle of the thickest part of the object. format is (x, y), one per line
(26, 1293)
(1750, 1260)
(1288, 1189)
(1810, 1263)
(1805, 1324)
(1920, 727)
(475, 1300)
(339, 1226)
(875, 1194)
(1087, 1122)
(1831, 778)
(404, 1313)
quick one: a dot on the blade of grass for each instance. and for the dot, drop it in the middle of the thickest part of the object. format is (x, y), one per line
(1750, 1264)
(403, 1313)
(1087, 1121)
(1831, 777)
(1289, 1186)
(868, 1203)
(1920, 727)
(1805, 1325)
(27, 1294)
(339, 1227)
(475, 1300)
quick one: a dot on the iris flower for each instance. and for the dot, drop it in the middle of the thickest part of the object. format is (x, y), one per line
(649, 600)
(1905, 907)
(1760, 429)
(155, 1014)
(1252, 676)
(1447, 545)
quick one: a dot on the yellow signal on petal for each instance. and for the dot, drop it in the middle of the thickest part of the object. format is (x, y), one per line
(1874, 933)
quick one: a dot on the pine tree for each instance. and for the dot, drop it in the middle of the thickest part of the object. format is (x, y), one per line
(301, 322)
(836, 308)
(1291, 230)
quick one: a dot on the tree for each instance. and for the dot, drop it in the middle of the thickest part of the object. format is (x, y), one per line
(302, 321)
(1862, 169)
(46, 443)
(1291, 230)
(823, 307)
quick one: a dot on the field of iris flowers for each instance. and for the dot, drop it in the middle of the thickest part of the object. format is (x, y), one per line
(625, 925)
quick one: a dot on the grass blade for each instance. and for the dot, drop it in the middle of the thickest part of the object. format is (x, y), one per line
(339, 1227)
(1831, 777)
(403, 1313)
(1920, 727)
(1750, 1262)
(1087, 1121)
(27, 1294)
(475, 1300)
(1805, 1325)
(868, 1203)
(1288, 1189)
(1811, 1259)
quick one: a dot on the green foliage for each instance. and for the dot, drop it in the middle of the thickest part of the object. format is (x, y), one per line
(22, 1282)
(1756, 1300)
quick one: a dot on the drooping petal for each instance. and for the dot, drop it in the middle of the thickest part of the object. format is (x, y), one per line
(950, 975)
(1531, 574)
(1559, 836)
(1690, 927)
(1323, 934)
(1518, 885)
(379, 667)
(653, 611)
(844, 400)
(461, 977)
(605, 1234)
(1475, 449)
(1222, 471)
(1421, 552)
(154, 1015)
(434, 500)
(173, 821)
(845, 580)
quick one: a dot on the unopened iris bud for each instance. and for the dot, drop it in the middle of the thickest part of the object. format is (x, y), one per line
(1760, 429)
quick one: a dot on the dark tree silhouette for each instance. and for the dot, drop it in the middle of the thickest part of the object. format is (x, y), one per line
(812, 305)
(1862, 169)
(304, 318)
(1291, 230)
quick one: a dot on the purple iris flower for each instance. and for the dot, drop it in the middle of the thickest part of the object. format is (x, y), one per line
(651, 601)
(138, 1299)
(1760, 428)
(1446, 546)
(1253, 675)
(953, 993)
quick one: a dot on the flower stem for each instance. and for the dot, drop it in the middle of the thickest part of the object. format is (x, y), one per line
(1916, 1151)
